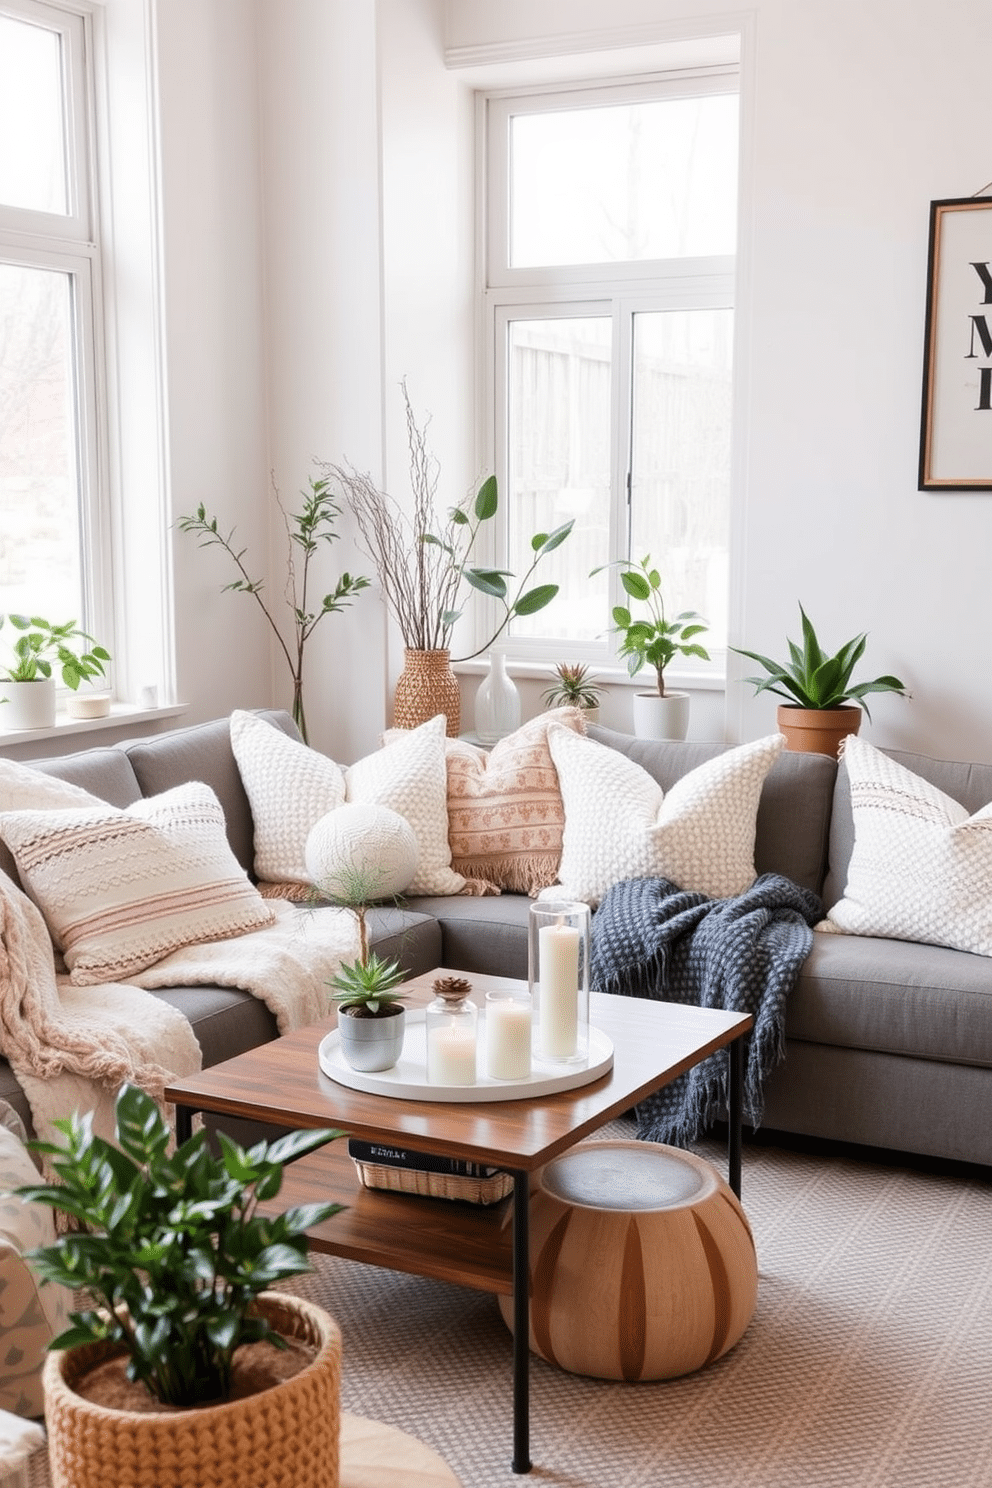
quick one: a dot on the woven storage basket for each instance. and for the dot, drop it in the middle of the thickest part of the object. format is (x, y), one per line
(283, 1437)
(436, 1185)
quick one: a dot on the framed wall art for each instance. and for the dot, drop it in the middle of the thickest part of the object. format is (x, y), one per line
(956, 426)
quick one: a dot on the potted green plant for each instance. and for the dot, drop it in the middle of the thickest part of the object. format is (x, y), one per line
(423, 560)
(176, 1256)
(573, 688)
(41, 648)
(823, 705)
(306, 529)
(654, 641)
(371, 1015)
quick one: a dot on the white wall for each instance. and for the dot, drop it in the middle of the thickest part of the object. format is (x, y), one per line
(857, 114)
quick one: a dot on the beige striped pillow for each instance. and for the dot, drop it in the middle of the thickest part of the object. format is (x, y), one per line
(121, 889)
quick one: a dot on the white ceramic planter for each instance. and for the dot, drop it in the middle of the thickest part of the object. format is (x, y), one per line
(661, 717)
(28, 705)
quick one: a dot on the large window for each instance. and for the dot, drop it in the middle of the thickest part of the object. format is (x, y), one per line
(52, 497)
(610, 241)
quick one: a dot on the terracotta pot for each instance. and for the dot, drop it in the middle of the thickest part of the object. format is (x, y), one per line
(288, 1433)
(657, 717)
(425, 687)
(817, 730)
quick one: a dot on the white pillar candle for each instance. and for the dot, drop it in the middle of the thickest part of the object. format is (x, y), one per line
(559, 995)
(451, 1057)
(508, 1035)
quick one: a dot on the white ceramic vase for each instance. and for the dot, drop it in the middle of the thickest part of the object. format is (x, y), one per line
(497, 702)
(28, 705)
(658, 717)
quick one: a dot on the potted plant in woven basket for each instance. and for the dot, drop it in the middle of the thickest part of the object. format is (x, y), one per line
(184, 1367)
(822, 704)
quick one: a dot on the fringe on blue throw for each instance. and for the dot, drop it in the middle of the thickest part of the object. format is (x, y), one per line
(744, 954)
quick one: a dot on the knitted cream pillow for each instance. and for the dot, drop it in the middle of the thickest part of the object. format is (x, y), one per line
(921, 866)
(31, 1315)
(289, 788)
(620, 824)
(25, 789)
(121, 889)
(409, 776)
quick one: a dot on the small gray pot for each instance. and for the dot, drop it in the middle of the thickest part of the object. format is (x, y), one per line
(370, 1044)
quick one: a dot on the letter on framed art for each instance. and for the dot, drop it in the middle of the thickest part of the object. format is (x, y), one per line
(956, 427)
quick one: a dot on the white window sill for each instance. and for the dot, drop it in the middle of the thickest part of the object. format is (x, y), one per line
(604, 676)
(121, 715)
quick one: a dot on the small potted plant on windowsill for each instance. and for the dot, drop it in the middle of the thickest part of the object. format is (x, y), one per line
(574, 688)
(822, 705)
(27, 683)
(655, 641)
(169, 1360)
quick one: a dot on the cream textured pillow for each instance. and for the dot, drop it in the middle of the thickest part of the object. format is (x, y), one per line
(505, 812)
(31, 1315)
(921, 866)
(620, 824)
(289, 787)
(409, 776)
(121, 889)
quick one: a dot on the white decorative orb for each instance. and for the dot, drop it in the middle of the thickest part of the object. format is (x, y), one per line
(360, 853)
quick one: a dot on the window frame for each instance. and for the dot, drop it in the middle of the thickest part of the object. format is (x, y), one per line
(70, 243)
(619, 290)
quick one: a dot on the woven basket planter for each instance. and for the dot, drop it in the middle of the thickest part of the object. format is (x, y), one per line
(287, 1434)
(426, 687)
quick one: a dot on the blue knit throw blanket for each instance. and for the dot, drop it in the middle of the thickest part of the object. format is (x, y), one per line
(744, 954)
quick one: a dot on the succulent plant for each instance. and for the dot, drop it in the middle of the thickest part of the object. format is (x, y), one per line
(574, 688)
(365, 987)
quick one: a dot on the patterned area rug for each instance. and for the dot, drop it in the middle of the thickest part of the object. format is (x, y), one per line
(867, 1363)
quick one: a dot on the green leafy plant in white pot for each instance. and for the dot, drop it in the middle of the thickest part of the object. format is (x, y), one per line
(40, 652)
(654, 640)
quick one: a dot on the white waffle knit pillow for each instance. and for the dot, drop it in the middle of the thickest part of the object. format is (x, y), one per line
(409, 775)
(921, 866)
(121, 889)
(289, 788)
(620, 824)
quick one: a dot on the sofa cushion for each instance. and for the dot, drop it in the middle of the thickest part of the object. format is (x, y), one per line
(203, 752)
(894, 997)
(793, 826)
(121, 889)
(505, 813)
(409, 776)
(289, 787)
(968, 784)
(619, 823)
(921, 864)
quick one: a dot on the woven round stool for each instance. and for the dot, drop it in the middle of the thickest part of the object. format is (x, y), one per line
(642, 1262)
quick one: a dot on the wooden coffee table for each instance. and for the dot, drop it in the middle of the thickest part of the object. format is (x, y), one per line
(281, 1083)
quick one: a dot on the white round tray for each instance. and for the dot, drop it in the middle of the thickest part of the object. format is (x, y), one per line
(407, 1080)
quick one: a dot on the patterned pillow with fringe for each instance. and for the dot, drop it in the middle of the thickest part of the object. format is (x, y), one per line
(505, 814)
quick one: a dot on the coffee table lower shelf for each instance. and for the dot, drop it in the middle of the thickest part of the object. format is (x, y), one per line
(468, 1244)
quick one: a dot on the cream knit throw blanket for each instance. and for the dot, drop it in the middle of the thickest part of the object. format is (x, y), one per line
(72, 1048)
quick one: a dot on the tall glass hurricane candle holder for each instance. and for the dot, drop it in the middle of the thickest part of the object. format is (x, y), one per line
(558, 973)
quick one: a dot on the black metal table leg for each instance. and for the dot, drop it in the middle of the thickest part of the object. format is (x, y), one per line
(184, 1124)
(735, 1107)
(521, 1324)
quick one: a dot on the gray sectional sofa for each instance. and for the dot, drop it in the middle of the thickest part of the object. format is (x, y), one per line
(888, 1042)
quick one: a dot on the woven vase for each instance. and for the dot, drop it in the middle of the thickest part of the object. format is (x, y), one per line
(286, 1434)
(425, 687)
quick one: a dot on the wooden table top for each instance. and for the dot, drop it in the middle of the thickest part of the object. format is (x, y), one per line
(281, 1083)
